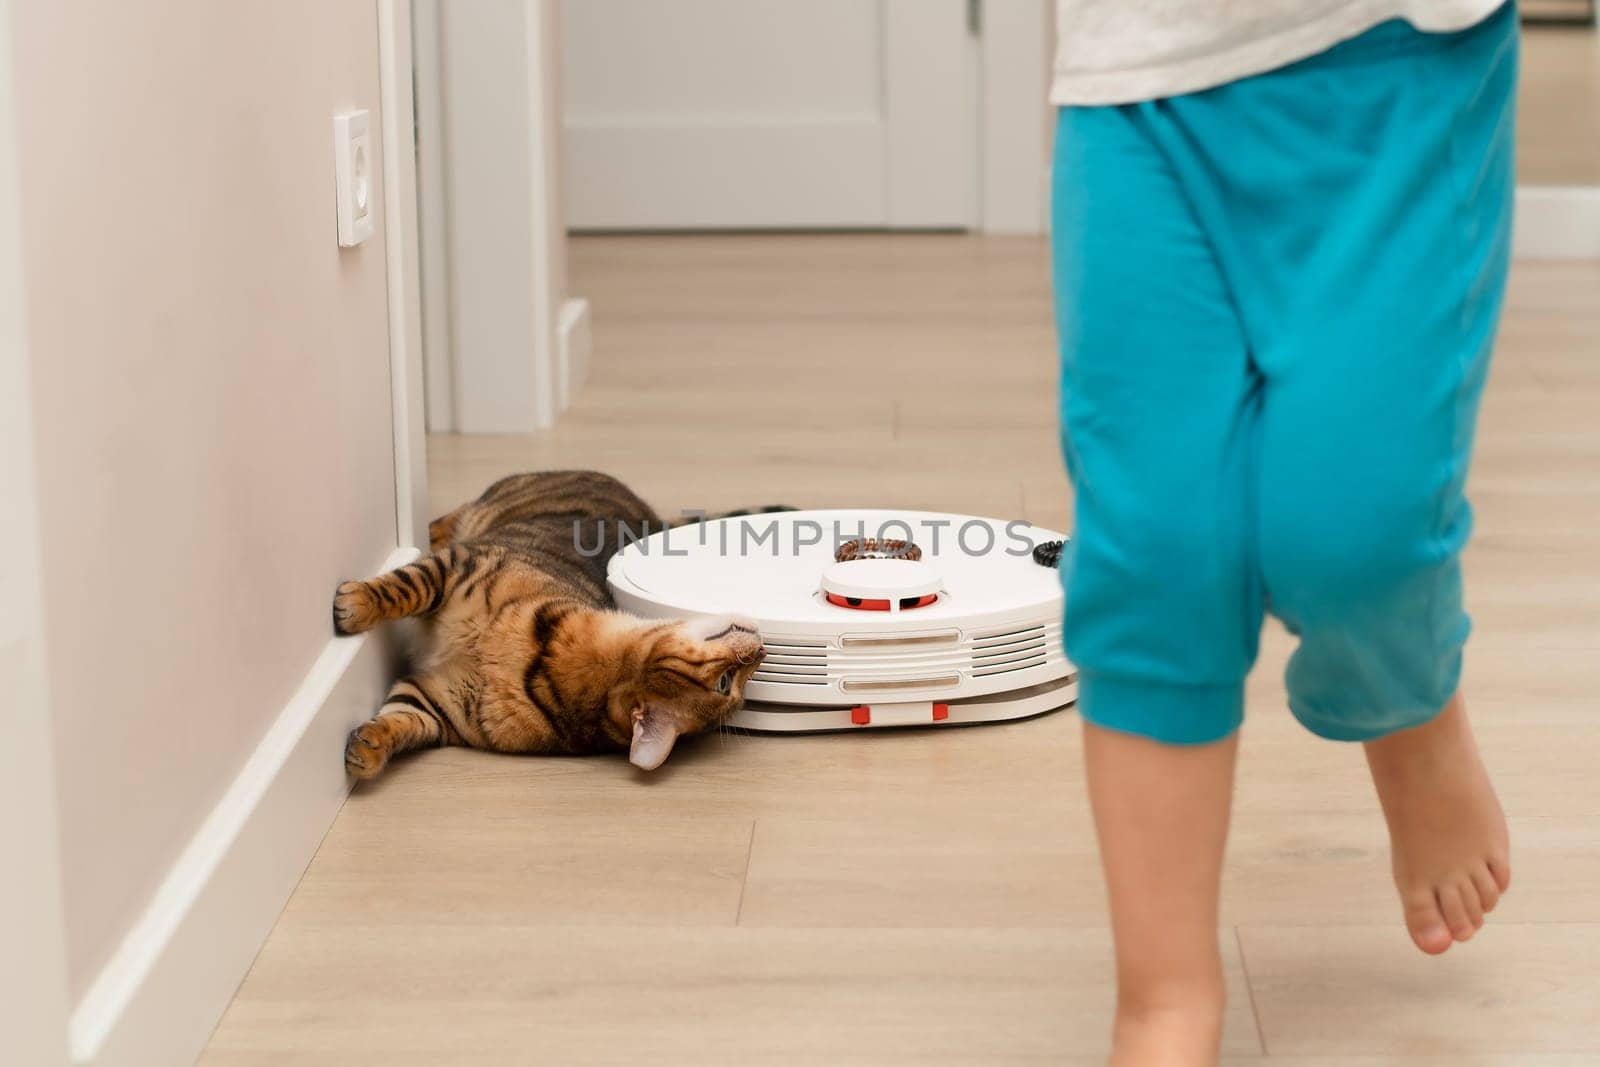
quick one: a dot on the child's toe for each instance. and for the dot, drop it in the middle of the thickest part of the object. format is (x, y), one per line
(1488, 890)
(1468, 895)
(1427, 925)
(1500, 870)
(1454, 910)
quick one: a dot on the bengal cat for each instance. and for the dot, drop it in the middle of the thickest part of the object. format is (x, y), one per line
(522, 649)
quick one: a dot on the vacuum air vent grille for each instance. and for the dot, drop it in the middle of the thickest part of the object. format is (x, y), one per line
(912, 659)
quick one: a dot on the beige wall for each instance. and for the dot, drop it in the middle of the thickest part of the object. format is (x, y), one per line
(33, 1009)
(211, 401)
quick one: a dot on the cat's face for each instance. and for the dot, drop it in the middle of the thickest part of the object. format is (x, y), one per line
(692, 678)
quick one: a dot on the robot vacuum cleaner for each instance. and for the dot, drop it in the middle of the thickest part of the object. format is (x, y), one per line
(869, 618)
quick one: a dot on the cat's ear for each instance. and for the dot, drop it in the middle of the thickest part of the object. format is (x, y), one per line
(654, 734)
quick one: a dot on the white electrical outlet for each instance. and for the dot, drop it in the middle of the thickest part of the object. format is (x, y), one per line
(352, 170)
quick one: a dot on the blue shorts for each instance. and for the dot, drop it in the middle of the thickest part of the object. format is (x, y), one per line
(1276, 301)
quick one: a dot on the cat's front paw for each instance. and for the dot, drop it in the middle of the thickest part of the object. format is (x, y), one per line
(354, 608)
(366, 751)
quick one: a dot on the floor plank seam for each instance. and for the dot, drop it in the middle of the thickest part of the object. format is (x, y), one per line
(1250, 993)
(744, 882)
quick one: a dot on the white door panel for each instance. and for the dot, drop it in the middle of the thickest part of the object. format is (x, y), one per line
(701, 175)
(665, 58)
(768, 113)
(931, 114)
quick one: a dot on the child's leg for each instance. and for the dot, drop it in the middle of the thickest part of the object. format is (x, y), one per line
(1371, 309)
(1365, 247)
(1161, 812)
(1159, 410)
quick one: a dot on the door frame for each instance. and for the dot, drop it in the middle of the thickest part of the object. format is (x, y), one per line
(432, 216)
(402, 252)
(504, 343)
(1016, 39)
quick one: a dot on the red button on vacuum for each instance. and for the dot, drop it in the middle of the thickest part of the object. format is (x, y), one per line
(861, 716)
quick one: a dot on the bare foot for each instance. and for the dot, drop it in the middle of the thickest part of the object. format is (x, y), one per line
(1447, 834)
(1169, 1035)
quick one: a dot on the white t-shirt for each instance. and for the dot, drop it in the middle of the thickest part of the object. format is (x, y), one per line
(1121, 51)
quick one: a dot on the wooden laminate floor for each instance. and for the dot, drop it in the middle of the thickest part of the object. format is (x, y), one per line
(932, 897)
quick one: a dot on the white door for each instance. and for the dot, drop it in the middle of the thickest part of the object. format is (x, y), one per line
(689, 114)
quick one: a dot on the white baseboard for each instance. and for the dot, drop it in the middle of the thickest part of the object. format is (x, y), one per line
(160, 996)
(1557, 222)
(573, 344)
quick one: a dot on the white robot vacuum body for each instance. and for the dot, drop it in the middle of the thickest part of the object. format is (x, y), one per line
(938, 619)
